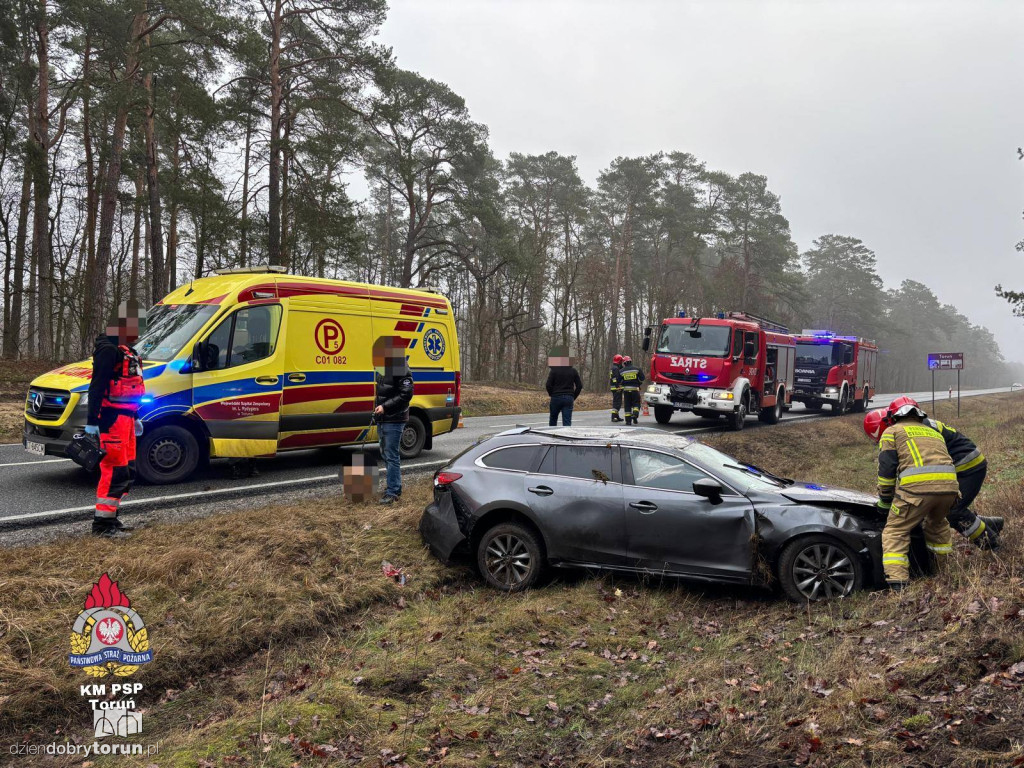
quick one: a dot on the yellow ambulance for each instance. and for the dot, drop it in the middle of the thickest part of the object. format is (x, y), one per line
(254, 362)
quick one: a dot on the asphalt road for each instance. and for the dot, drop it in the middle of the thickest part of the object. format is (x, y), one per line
(39, 491)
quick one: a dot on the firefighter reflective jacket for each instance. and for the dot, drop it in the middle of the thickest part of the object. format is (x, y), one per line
(965, 454)
(913, 458)
(631, 377)
(613, 377)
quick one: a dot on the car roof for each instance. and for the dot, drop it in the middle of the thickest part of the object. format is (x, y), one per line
(638, 436)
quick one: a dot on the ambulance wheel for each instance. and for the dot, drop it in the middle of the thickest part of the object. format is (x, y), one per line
(167, 454)
(663, 413)
(413, 437)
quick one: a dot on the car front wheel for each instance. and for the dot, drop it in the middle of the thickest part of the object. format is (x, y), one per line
(167, 454)
(819, 568)
(509, 557)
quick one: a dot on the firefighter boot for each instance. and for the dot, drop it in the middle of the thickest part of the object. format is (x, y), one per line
(988, 539)
(109, 527)
(615, 416)
(896, 586)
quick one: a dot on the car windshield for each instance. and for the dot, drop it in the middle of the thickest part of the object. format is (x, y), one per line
(727, 468)
(170, 328)
(812, 353)
(707, 340)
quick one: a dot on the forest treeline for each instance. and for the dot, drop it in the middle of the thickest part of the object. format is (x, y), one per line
(145, 144)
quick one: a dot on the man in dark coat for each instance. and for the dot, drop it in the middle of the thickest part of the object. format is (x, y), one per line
(394, 392)
(563, 385)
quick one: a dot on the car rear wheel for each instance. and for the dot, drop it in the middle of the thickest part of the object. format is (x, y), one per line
(774, 414)
(167, 454)
(509, 557)
(663, 413)
(413, 437)
(819, 568)
(862, 405)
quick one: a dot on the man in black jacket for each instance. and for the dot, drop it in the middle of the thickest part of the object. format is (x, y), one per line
(115, 393)
(394, 392)
(563, 385)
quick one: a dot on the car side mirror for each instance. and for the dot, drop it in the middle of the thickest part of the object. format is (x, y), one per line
(199, 356)
(709, 489)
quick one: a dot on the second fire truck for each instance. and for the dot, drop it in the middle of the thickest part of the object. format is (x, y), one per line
(835, 370)
(733, 365)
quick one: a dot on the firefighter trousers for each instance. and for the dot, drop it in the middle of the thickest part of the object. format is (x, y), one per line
(908, 510)
(117, 469)
(616, 401)
(631, 401)
(963, 520)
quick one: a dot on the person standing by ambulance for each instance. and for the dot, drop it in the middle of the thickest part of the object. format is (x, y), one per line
(393, 395)
(115, 394)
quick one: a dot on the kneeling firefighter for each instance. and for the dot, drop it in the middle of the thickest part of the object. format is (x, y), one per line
(916, 484)
(632, 379)
(971, 468)
(115, 394)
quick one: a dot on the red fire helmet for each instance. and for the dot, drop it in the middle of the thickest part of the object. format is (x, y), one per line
(875, 423)
(903, 405)
(617, 359)
(627, 359)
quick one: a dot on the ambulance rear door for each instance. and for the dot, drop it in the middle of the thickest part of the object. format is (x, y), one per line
(329, 383)
(236, 389)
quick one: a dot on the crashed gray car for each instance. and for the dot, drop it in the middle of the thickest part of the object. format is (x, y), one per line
(643, 501)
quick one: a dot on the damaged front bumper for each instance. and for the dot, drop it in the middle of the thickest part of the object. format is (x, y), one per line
(440, 530)
(684, 398)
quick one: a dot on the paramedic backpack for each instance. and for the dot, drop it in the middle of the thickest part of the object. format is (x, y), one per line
(127, 387)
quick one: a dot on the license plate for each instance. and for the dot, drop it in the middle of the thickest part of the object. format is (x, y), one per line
(36, 449)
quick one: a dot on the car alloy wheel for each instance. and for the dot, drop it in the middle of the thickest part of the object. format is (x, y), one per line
(819, 568)
(509, 557)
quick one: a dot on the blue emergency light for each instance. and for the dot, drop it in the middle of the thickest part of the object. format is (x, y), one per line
(704, 377)
(682, 314)
(147, 399)
(720, 315)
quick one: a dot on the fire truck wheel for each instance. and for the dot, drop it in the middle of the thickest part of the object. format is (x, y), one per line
(774, 414)
(739, 417)
(838, 409)
(861, 405)
(663, 413)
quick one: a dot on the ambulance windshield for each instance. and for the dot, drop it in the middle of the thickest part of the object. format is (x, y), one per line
(707, 341)
(170, 328)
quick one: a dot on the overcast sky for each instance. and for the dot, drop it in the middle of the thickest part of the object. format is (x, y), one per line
(894, 122)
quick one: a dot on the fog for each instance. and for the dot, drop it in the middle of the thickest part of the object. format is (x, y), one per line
(894, 122)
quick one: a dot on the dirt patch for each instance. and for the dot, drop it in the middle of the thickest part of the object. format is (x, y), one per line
(500, 400)
(12, 421)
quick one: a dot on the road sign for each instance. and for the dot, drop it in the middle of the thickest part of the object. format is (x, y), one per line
(946, 361)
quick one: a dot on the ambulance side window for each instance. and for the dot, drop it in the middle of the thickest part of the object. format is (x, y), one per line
(246, 336)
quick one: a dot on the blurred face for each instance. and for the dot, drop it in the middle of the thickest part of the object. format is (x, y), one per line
(359, 478)
(130, 324)
(389, 356)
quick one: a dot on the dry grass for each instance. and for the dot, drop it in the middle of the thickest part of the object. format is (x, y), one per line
(499, 399)
(584, 671)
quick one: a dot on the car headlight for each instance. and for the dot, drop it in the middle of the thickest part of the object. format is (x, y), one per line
(84, 399)
(722, 396)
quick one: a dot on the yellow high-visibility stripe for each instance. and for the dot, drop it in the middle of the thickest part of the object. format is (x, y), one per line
(915, 454)
(939, 549)
(928, 477)
(893, 557)
(977, 533)
(970, 464)
(886, 480)
(887, 438)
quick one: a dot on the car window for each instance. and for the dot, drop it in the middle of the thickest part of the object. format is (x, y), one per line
(585, 462)
(518, 457)
(659, 470)
(244, 337)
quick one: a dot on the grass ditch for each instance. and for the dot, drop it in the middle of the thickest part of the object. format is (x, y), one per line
(278, 641)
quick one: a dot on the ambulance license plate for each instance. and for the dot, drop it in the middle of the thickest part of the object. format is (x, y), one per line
(36, 449)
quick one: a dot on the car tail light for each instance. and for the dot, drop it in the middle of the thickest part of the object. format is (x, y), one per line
(443, 479)
(458, 388)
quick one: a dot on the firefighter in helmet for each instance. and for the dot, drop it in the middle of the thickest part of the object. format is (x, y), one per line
(971, 468)
(616, 386)
(916, 484)
(632, 379)
(115, 394)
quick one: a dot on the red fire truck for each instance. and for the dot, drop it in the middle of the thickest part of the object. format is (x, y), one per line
(734, 364)
(838, 370)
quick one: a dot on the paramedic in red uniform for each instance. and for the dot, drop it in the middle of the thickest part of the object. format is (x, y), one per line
(114, 397)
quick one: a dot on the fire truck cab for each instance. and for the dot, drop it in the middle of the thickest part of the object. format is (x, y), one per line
(733, 365)
(837, 370)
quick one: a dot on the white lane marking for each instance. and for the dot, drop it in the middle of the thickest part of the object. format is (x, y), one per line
(193, 494)
(36, 461)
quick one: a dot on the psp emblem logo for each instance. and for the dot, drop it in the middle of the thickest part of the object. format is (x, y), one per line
(108, 636)
(433, 344)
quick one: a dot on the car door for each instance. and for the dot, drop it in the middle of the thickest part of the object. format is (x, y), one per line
(576, 497)
(672, 529)
(237, 389)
